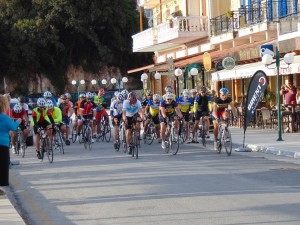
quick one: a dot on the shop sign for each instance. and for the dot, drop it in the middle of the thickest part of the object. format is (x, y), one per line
(207, 61)
(228, 63)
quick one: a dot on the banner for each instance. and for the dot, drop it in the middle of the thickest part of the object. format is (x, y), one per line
(256, 88)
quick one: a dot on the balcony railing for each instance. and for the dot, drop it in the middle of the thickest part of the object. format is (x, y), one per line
(145, 38)
(179, 25)
(244, 17)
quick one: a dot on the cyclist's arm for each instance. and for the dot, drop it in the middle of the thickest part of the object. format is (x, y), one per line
(163, 112)
(140, 112)
(178, 111)
(215, 108)
(233, 109)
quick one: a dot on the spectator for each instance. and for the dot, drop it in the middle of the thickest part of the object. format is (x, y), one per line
(289, 92)
(6, 125)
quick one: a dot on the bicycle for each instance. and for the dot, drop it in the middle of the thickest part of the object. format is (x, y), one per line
(150, 133)
(105, 129)
(20, 143)
(45, 145)
(122, 136)
(202, 131)
(58, 140)
(87, 134)
(224, 137)
(134, 143)
(74, 134)
(182, 131)
(172, 138)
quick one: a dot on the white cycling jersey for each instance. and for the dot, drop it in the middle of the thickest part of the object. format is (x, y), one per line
(116, 108)
(131, 109)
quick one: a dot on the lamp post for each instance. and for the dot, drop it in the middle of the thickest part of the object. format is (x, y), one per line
(114, 81)
(78, 82)
(178, 72)
(267, 60)
(144, 78)
(103, 82)
(194, 72)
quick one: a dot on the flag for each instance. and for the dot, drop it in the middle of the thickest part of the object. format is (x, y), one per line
(256, 88)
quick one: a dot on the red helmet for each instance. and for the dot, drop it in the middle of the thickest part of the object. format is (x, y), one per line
(101, 91)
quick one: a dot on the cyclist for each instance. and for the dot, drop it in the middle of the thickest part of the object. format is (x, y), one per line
(147, 98)
(56, 115)
(132, 115)
(48, 96)
(201, 110)
(19, 113)
(168, 109)
(77, 110)
(125, 93)
(152, 113)
(185, 104)
(116, 111)
(41, 118)
(100, 110)
(116, 94)
(220, 106)
(22, 101)
(67, 110)
(87, 111)
(168, 90)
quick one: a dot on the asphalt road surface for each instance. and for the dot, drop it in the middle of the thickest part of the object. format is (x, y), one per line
(197, 186)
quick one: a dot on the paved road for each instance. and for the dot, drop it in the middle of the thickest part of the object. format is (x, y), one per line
(197, 186)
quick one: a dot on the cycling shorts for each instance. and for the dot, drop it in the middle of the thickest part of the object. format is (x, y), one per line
(155, 118)
(43, 124)
(99, 114)
(132, 121)
(199, 114)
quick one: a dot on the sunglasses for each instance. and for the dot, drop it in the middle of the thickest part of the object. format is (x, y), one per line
(169, 99)
(223, 95)
(202, 92)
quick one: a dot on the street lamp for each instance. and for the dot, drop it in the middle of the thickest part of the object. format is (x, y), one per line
(267, 60)
(78, 82)
(194, 72)
(178, 72)
(157, 76)
(114, 81)
(144, 78)
(103, 82)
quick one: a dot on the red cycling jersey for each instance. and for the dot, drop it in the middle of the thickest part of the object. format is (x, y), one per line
(87, 107)
(18, 115)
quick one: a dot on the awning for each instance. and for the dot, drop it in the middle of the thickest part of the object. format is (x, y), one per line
(248, 70)
(141, 69)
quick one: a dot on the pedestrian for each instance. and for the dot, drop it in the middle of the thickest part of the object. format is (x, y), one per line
(289, 92)
(6, 125)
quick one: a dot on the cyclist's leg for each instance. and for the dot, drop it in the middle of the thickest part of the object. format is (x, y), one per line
(163, 123)
(13, 135)
(156, 122)
(67, 122)
(128, 129)
(187, 125)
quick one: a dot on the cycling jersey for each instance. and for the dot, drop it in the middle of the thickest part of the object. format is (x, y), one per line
(201, 103)
(184, 104)
(131, 109)
(64, 107)
(170, 108)
(100, 101)
(18, 115)
(153, 107)
(87, 107)
(222, 105)
(56, 114)
(77, 107)
(145, 101)
(116, 108)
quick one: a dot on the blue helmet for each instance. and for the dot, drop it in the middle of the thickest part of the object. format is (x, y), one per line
(121, 97)
(224, 91)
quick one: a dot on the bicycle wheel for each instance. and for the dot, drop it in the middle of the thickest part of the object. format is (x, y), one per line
(136, 150)
(118, 143)
(60, 143)
(49, 149)
(22, 146)
(74, 134)
(123, 139)
(89, 138)
(174, 141)
(85, 138)
(107, 132)
(219, 142)
(42, 148)
(203, 133)
(227, 141)
(182, 132)
(150, 134)
(18, 144)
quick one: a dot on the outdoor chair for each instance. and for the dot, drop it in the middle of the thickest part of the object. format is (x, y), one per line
(267, 117)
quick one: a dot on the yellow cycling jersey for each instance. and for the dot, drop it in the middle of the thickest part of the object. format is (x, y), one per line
(153, 108)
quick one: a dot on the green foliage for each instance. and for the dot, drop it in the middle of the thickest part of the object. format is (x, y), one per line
(45, 37)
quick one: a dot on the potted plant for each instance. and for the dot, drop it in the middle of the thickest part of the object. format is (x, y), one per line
(269, 97)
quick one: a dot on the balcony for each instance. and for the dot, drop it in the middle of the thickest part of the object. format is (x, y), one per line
(148, 4)
(289, 23)
(176, 32)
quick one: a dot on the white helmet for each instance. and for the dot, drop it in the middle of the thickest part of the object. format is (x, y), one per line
(47, 94)
(169, 95)
(82, 95)
(124, 92)
(156, 97)
(193, 91)
(168, 88)
(17, 108)
(116, 94)
(68, 95)
(41, 102)
(49, 104)
(185, 93)
(89, 95)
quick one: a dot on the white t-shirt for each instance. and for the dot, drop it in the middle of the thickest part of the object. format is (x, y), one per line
(116, 108)
(131, 109)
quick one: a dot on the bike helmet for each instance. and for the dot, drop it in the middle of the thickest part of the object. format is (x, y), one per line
(224, 91)
(94, 94)
(63, 96)
(49, 104)
(193, 91)
(82, 95)
(101, 91)
(185, 93)
(156, 97)
(41, 102)
(124, 92)
(68, 95)
(17, 108)
(116, 94)
(132, 97)
(89, 96)
(202, 88)
(169, 95)
(121, 97)
(168, 88)
(22, 99)
(47, 94)
(148, 92)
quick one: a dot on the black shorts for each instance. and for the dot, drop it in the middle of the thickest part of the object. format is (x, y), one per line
(186, 116)
(200, 114)
(155, 119)
(131, 120)
(88, 116)
(116, 120)
(169, 118)
(43, 124)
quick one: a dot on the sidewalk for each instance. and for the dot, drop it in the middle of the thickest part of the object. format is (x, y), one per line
(265, 140)
(8, 214)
